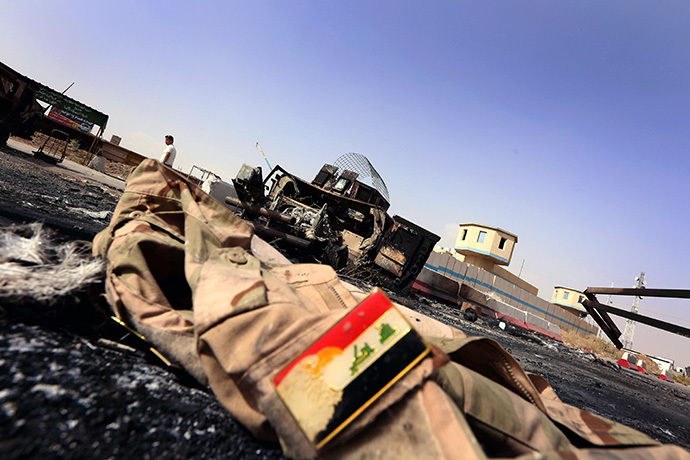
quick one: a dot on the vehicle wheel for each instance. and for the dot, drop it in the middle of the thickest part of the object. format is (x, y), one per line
(470, 315)
(336, 256)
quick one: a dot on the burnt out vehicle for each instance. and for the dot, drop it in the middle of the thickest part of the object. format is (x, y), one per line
(335, 219)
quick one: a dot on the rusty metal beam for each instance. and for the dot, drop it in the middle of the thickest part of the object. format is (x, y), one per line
(599, 312)
(260, 211)
(675, 293)
(603, 320)
(272, 233)
(591, 304)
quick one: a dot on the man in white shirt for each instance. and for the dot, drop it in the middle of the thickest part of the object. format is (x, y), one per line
(169, 153)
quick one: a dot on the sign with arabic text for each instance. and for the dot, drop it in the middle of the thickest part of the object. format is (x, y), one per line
(68, 119)
(71, 106)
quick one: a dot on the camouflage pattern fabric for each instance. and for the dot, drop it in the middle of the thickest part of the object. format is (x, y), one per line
(191, 277)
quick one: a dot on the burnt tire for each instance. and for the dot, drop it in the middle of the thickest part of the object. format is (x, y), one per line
(336, 256)
(470, 315)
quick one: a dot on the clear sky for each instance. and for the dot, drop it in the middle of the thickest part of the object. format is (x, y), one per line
(565, 123)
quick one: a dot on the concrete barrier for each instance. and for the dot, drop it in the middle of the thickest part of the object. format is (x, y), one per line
(471, 278)
(537, 321)
(629, 361)
(98, 163)
(427, 326)
(434, 284)
(219, 189)
(666, 375)
(525, 320)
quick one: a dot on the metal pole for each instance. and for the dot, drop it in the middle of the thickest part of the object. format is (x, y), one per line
(68, 88)
(264, 155)
(261, 211)
(51, 105)
(666, 326)
(629, 332)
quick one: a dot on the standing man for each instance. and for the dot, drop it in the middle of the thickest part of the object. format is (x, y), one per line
(169, 153)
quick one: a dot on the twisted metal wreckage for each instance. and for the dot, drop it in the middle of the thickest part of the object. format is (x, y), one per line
(336, 219)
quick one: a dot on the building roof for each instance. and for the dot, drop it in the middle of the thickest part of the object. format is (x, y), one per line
(570, 289)
(491, 228)
(59, 100)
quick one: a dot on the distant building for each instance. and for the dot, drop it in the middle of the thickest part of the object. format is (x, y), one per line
(489, 248)
(474, 270)
(665, 364)
(485, 246)
(569, 299)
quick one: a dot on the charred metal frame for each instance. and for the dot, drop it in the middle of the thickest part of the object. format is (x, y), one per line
(600, 312)
(335, 219)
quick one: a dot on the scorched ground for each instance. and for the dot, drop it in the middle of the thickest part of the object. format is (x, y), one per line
(64, 393)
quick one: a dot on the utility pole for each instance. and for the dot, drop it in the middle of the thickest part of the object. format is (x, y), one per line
(629, 333)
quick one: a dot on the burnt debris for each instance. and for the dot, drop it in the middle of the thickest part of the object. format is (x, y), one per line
(335, 219)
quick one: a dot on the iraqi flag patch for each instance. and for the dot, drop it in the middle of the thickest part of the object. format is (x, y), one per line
(349, 367)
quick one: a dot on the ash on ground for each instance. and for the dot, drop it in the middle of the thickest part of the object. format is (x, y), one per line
(66, 394)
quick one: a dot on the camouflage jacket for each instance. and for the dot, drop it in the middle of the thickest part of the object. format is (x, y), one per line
(191, 277)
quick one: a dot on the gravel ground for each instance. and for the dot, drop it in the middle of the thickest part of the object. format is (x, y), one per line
(65, 394)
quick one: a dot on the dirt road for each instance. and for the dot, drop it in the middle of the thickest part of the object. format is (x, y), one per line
(64, 394)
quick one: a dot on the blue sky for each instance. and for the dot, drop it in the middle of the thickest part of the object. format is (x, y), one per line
(565, 123)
